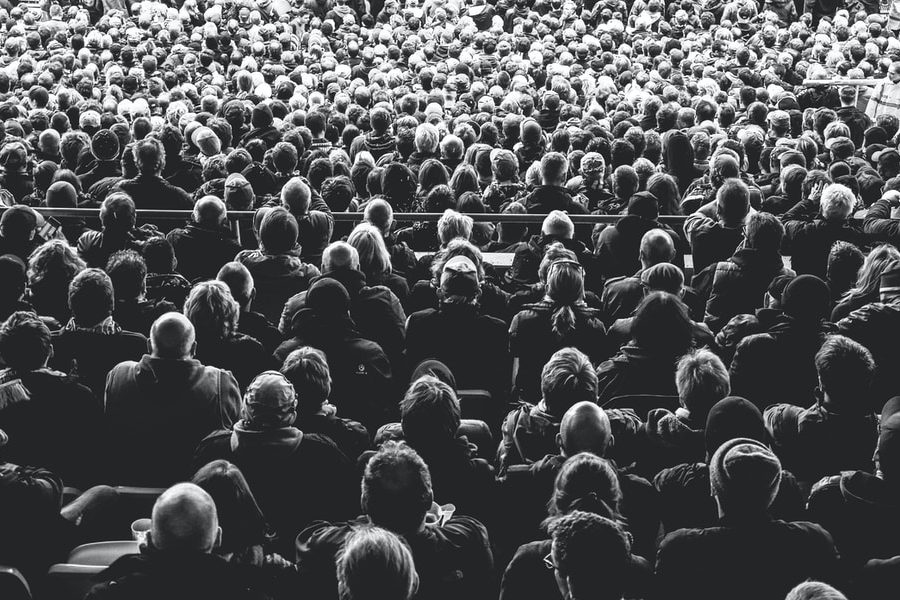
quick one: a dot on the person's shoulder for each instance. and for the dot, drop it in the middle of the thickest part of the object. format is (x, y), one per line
(681, 475)
(464, 531)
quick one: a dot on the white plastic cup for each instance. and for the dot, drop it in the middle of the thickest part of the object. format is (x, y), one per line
(139, 530)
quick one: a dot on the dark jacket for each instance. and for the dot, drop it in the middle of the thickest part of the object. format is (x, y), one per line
(710, 240)
(276, 278)
(635, 371)
(202, 251)
(152, 191)
(528, 256)
(618, 246)
(879, 225)
(186, 174)
(90, 355)
(349, 436)
(175, 576)
(686, 503)
(546, 198)
(240, 354)
(493, 300)
(139, 315)
(256, 325)
(101, 170)
(168, 287)
(671, 439)
(737, 286)
(532, 341)
(169, 406)
(282, 467)
(748, 561)
(862, 513)
(876, 326)
(96, 247)
(453, 559)
(52, 421)
(810, 238)
(622, 295)
(857, 121)
(804, 439)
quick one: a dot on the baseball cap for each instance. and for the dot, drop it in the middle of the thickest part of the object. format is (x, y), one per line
(460, 277)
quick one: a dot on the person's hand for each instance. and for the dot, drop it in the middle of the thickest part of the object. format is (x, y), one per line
(892, 197)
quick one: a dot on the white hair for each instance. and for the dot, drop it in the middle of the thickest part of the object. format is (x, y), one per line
(837, 202)
(454, 225)
(559, 224)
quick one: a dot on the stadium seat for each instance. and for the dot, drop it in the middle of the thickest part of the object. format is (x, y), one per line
(643, 403)
(13, 585)
(101, 554)
(137, 502)
(478, 433)
(70, 582)
(477, 404)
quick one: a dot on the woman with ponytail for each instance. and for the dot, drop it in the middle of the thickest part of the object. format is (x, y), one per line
(585, 483)
(561, 320)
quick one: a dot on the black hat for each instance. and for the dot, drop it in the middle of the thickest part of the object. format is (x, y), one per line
(105, 145)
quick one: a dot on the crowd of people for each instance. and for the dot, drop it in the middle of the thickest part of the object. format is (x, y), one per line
(368, 407)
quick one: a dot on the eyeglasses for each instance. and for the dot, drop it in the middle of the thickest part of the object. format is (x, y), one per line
(548, 562)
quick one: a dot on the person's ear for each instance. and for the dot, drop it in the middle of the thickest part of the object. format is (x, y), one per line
(218, 541)
(193, 349)
(559, 441)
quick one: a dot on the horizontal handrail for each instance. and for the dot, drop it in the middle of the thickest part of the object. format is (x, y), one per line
(838, 81)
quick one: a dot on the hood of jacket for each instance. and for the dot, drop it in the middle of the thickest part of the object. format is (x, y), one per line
(353, 280)
(867, 490)
(169, 373)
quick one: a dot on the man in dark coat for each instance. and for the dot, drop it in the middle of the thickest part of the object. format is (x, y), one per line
(149, 189)
(717, 229)
(556, 228)
(204, 245)
(118, 217)
(553, 195)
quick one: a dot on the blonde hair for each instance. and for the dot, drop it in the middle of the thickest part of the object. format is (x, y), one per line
(879, 260)
(212, 310)
(374, 258)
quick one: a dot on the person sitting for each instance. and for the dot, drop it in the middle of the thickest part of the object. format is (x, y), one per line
(51, 268)
(379, 213)
(149, 189)
(307, 370)
(240, 282)
(529, 432)
(662, 332)
(280, 461)
(14, 275)
(315, 223)
(246, 534)
(18, 231)
(117, 218)
(166, 392)
(552, 194)
(452, 555)
(162, 282)
(674, 438)
(179, 560)
(215, 315)
(561, 319)
(557, 228)
(745, 478)
(375, 310)
(474, 346)
(133, 311)
(814, 225)
(865, 286)
(586, 485)
(804, 438)
(278, 273)
(738, 285)
(205, 244)
(49, 419)
(376, 564)
(91, 343)
(717, 228)
(375, 260)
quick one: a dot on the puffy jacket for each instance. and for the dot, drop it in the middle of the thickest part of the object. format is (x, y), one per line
(877, 327)
(618, 247)
(202, 251)
(809, 238)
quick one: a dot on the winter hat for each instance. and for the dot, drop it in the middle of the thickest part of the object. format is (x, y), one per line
(531, 132)
(269, 402)
(807, 297)
(730, 418)
(460, 278)
(593, 163)
(207, 141)
(262, 116)
(644, 205)
(105, 145)
(239, 193)
(663, 277)
(436, 369)
(62, 194)
(504, 163)
(328, 297)
(745, 474)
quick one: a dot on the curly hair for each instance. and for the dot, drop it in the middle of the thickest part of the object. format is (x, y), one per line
(212, 310)
(55, 258)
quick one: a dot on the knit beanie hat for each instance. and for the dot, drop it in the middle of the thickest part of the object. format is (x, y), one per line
(730, 418)
(239, 193)
(269, 402)
(262, 116)
(663, 277)
(105, 145)
(744, 474)
(644, 204)
(807, 297)
(207, 141)
(62, 194)
(530, 132)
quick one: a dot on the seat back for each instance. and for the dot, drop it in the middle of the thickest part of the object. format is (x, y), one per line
(102, 554)
(137, 502)
(477, 404)
(70, 582)
(13, 585)
(478, 433)
(642, 404)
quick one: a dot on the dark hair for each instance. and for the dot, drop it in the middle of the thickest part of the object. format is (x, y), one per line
(128, 272)
(662, 326)
(240, 517)
(846, 371)
(91, 297)
(589, 483)
(430, 412)
(396, 488)
(307, 370)
(159, 255)
(25, 342)
(565, 288)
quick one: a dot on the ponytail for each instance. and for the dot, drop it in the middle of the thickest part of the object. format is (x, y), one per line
(563, 320)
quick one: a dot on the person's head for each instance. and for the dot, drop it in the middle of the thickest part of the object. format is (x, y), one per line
(396, 489)
(91, 297)
(296, 196)
(844, 263)
(278, 231)
(744, 477)
(380, 214)
(376, 564)
(172, 336)
(339, 256)
(18, 223)
(213, 311)
(837, 202)
(764, 232)
(159, 256)
(815, 590)
(210, 211)
(733, 200)
(307, 370)
(662, 325)
(625, 182)
(589, 556)
(51, 260)
(557, 224)
(239, 281)
(270, 402)
(565, 289)
(554, 168)
(846, 371)
(731, 418)
(586, 482)
(879, 260)
(117, 213)
(656, 247)
(14, 275)
(25, 343)
(585, 427)
(242, 521)
(149, 156)
(128, 272)
(454, 225)
(806, 298)
(184, 520)
(429, 413)
(701, 380)
(374, 258)
(566, 379)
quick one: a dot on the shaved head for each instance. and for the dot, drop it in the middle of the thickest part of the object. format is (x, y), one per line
(585, 428)
(296, 196)
(239, 280)
(210, 211)
(380, 214)
(339, 255)
(172, 336)
(656, 247)
(184, 519)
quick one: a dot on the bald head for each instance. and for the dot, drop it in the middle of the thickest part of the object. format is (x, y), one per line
(210, 211)
(656, 247)
(184, 520)
(296, 196)
(239, 280)
(172, 336)
(339, 255)
(585, 428)
(380, 214)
